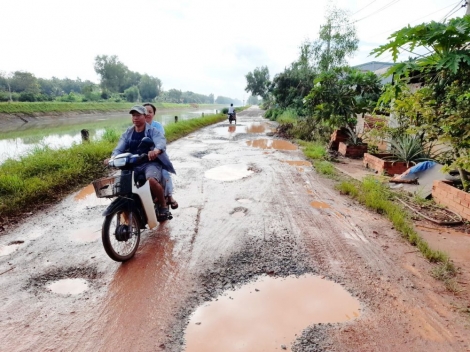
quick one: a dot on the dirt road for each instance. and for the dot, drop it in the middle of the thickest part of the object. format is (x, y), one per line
(284, 261)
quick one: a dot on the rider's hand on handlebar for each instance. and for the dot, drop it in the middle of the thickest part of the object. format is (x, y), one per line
(106, 161)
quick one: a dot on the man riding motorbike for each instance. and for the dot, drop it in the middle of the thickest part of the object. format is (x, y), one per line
(158, 159)
(231, 113)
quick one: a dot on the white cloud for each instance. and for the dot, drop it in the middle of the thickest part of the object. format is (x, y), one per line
(206, 46)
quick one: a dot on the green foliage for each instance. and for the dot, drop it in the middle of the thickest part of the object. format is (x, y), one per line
(149, 87)
(132, 94)
(325, 168)
(287, 116)
(273, 113)
(257, 82)
(337, 41)
(408, 149)
(313, 150)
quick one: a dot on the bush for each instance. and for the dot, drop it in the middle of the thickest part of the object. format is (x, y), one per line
(27, 97)
(225, 111)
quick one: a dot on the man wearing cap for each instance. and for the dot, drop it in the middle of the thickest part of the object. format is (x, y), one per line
(158, 159)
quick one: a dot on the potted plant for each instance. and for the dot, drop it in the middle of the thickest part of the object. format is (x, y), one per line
(354, 147)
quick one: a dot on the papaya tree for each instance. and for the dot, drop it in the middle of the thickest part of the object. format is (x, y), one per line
(445, 69)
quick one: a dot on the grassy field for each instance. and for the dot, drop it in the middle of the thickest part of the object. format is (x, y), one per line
(46, 175)
(60, 107)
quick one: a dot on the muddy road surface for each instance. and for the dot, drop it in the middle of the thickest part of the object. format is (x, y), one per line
(262, 255)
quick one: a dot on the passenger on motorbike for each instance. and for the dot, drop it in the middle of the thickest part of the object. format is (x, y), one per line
(151, 110)
(152, 169)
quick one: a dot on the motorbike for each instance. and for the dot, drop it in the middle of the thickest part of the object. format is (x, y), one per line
(232, 117)
(132, 209)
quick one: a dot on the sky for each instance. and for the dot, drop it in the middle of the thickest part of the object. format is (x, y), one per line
(204, 46)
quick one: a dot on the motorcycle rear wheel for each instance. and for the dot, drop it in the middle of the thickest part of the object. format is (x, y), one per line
(119, 243)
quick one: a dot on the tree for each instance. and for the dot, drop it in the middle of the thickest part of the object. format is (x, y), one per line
(5, 83)
(24, 82)
(174, 95)
(149, 87)
(132, 94)
(445, 69)
(114, 74)
(337, 41)
(258, 82)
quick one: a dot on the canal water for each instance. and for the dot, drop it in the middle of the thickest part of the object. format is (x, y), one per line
(59, 132)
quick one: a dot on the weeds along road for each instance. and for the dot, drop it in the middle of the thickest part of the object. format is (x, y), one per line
(250, 207)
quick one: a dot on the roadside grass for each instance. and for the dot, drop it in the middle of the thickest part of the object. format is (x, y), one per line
(379, 198)
(46, 175)
(29, 108)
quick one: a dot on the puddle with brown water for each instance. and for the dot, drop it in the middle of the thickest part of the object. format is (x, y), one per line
(319, 205)
(268, 313)
(256, 128)
(84, 192)
(69, 286)
(297, 162)
(272, 144)
(230, 172)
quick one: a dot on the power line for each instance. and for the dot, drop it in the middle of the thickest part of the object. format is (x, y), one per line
(363, 7)
(393, 2)
(451, 12)
(432, 13)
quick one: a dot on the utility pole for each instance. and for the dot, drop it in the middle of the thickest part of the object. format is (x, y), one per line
(468, 8)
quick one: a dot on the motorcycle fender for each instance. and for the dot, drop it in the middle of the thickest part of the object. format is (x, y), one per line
(117, 204)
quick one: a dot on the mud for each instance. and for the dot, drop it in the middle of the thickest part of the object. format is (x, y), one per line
(207, 251)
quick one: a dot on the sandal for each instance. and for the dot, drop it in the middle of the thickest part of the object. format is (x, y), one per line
(172, 203)
(163, 214)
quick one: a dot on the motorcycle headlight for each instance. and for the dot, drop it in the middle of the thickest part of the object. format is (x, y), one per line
(118, 162)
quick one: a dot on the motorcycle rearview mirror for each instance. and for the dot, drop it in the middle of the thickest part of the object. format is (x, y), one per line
(146, 143)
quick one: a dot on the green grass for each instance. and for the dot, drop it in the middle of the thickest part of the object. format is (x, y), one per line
(45, 175)
(313, 150)
(62, 107)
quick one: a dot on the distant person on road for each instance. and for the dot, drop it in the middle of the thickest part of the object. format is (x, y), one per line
(231, 113)
(231, 109)
(151, 110)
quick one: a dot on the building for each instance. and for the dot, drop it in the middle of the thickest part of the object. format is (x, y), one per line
(379, 68)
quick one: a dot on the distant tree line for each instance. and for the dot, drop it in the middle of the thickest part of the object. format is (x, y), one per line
(117, 83)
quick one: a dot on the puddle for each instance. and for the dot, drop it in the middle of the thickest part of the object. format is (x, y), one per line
(9, 249)
(297, 162)
(256, 128)
(230, 172)
(238, 214)
(268, 313)
(319, 205)
(85, 192)
(69, 286)
(277, 144)
(244, 201)
(85, 235)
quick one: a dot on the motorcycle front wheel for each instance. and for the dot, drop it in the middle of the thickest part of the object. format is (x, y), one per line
(121, 235)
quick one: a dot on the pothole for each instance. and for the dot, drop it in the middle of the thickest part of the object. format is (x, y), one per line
(84, 192)
(244, 200)
(297, 162)
(277, 144)
(268, 313)
(239, 212)
(256, 128)
(10, 248)
(71, 279)
(68, 286)
(319, 205)
(229, 172)
(200, 154)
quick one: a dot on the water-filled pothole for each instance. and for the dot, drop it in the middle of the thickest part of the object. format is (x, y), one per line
(239, 212)
(244, 200)
(229, 172)
(268, 313)
(277, 144)
(319, 205)
(68, 286)
(10, 248)
(84, 192)
(297, 162)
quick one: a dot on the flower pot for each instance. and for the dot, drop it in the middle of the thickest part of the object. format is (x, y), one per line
(383, 166)
(352, 151)
(338, 136)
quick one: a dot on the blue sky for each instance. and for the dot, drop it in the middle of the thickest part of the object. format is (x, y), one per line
(206, 46)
